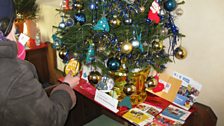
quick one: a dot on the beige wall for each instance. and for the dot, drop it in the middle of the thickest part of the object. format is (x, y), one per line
(203, 25)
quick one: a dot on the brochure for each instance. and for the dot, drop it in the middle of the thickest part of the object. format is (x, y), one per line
(143, 114)
(188, 91)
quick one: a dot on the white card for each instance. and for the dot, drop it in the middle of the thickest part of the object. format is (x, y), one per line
(106, 100)
(23, 39)
(85, 72)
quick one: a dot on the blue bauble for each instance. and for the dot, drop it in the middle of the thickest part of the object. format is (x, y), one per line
(113, 64)
(148, 21)
(129, 56)
(170, 5)
(114, 40)
(69, 22)
(93, 6)
(80, 18)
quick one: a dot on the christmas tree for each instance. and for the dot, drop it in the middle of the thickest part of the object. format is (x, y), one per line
(121, 37)
(26, 9)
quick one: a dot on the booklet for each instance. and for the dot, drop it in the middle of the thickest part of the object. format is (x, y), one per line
(143, 114)
(171, 116)
(188, 91)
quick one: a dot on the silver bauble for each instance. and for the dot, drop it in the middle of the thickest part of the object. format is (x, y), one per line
(135, 43)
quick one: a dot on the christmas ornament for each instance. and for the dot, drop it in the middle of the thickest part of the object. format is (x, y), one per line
(179, 12)
(78, 5)
(19, 16)
(106, 84)
(102, 25)
(139, 38)
(164, 31)
(115, 22)
(151, 82)
(63, 53)
(62, 24)
(126, 47)
(170, 5)
(56, 42)
(73, 66)
(69, 22)
(66, 5)
(76, 55)
(130, 1)
(128, 21)
(153, 12)
(80, 18)
(113, 64)
(129, 89)
(135, 43)
(142, 9)
(94, 77)
(91, 53)
(157, 46)
(158, 88)
(162, 12)
(180, 52)
(101, 49)
(92, 6)
(148, 21)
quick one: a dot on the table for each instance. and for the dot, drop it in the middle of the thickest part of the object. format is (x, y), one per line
(87, 109)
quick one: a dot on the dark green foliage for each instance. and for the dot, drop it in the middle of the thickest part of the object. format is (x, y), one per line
(27, 8)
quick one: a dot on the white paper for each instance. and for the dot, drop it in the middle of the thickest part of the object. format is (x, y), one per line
(23, 39)
(106, 100)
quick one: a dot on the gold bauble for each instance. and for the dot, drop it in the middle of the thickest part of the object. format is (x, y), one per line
(62, 53)
(78, 5)
(101, 48)
(75, 55)
(129, 89)
(157, 46)
(124, 59)
(115, 22)
(94, 77)
(151, 82)
(142, 9)
(73, 66)
(180, 53)
(126, 47)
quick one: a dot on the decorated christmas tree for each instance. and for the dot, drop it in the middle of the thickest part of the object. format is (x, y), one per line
(125, 39)
(26, 9)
